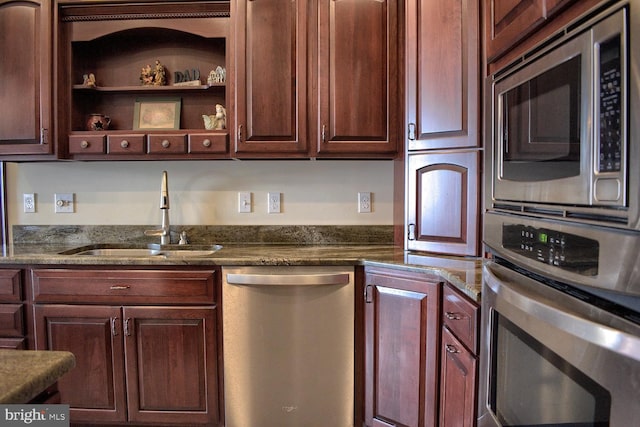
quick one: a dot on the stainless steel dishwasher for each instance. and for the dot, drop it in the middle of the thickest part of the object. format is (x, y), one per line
(288, 346)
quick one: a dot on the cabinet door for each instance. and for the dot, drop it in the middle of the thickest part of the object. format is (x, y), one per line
(457, 383)
(443, 198)
(508, 22)
(271, 77)
(26, 70)
(401, 350)
(443, 74)
(94, 389)
(172, 371)
(357, 67)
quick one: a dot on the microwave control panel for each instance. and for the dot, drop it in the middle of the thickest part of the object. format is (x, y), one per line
(569, 252)
(610, 149)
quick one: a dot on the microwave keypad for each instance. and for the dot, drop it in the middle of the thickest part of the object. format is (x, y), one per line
(610, 107)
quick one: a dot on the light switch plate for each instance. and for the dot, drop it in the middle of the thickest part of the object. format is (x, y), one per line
(244, 202)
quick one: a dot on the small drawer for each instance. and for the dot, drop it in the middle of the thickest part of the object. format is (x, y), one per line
(86, 144)
(461, 316)
(203, 143)
(11, 320)
(10, 285)
(123, 286)
(13, 343)
(125, 144)
(167, 144)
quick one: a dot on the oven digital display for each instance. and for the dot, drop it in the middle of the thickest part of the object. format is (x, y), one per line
(569, 252)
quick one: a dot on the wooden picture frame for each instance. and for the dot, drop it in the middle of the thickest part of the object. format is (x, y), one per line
(157, 113)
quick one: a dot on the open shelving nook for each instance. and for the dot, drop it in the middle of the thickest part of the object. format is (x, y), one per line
(114, 41)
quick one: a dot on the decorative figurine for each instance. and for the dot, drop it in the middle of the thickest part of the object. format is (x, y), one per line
(89, 80)
(219, 75)
(153, 76)
(216, 121)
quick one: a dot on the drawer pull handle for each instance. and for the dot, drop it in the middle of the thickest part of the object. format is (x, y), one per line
(451, 348)
(166, 143)
(120, 287)
(124, 143)
(452, 316)
(206, 143)
(127, 332)
(114, 330)
(84, 144)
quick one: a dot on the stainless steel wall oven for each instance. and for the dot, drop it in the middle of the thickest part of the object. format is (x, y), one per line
(560, 342)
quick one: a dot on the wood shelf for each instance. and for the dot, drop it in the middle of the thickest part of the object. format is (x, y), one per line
(124, 89)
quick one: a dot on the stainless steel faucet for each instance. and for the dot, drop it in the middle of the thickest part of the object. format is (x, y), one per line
(163, 232)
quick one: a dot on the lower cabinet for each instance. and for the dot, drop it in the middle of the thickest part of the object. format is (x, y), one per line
(402, 327)
(12, 325)
(420, 351)
(135, 363)
(458, 372)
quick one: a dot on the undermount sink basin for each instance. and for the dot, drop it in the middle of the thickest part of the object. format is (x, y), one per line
(152, 250)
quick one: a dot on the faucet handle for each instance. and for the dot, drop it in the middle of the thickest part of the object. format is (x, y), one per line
(183, 238)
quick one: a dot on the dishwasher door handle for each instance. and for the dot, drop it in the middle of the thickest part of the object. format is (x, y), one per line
(287, 279)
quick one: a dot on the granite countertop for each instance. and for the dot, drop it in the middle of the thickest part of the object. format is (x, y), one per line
(27, 373)
(243, 245)
(464, 273)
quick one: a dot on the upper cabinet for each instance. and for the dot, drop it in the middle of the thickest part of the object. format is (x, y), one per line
(316, 78)
(271, 77)
(442, 74)
(139, 80)
(25, 96)
(358, 80)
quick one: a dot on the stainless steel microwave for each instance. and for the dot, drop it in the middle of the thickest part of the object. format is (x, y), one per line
(560, 139)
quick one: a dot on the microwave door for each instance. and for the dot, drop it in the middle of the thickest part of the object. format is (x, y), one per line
(542, 139)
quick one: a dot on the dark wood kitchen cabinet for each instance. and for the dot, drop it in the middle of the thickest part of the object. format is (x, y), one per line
(458, 358)
(145, 343)
(443, 194)
(114, 42)
(26, 124)
(442, 74)
(317, 78)
(12, 310)
(358, 75)
(402, 325)
(510, 21)
(271, 77)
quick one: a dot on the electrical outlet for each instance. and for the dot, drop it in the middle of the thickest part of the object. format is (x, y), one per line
(273, 201)
(244, 202)
(29, 202)
(63, 202)
(364, 202)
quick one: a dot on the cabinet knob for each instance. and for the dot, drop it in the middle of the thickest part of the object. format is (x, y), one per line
(166, 143)
(206, 143)
(124, 143)
(451, 348)
(452, 316)
(84, 144)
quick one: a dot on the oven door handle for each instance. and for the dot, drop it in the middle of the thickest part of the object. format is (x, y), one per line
(527, 295)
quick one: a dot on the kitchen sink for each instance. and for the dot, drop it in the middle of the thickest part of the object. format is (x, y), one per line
(151, 250)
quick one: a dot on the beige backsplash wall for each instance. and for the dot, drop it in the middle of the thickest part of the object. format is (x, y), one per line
(202, 192)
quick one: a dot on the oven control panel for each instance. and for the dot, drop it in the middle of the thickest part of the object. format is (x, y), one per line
(567, 251)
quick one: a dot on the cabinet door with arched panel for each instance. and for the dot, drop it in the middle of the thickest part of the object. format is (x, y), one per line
(443, 201)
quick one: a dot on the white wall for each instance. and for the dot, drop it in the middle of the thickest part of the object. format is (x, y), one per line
(202, 192)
